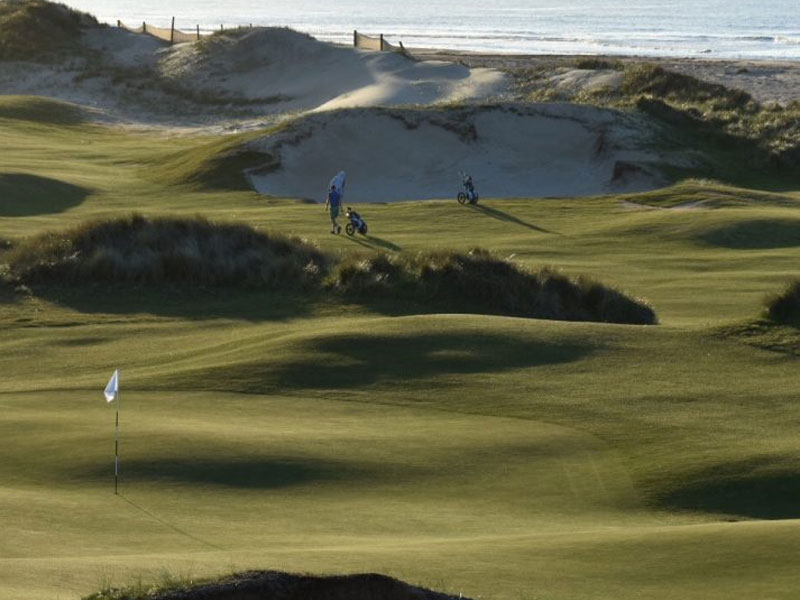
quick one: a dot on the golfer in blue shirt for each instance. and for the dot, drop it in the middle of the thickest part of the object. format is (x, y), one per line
(333, 203)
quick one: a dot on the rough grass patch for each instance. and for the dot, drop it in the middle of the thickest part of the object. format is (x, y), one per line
(656, 81)
(279, 586)
(40, 30)
(480, 282)
(138, 250)
(594, 63)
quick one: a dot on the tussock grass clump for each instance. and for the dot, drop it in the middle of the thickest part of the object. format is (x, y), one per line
(278, 585)
(656, 81)
(768, 134)
(39, 30)
(479, 282)
(784, 307)
(139, 250)
(594, 63)
(136, 250)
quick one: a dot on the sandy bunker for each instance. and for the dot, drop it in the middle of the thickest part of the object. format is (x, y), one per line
(393, 155)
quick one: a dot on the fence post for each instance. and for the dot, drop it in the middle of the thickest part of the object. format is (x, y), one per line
(381, 42)
(198, 31)
(355, 38)
(172, 32)
(144, 27)
(119, 23)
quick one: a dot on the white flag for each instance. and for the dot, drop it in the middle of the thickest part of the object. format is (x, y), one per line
(112, 389)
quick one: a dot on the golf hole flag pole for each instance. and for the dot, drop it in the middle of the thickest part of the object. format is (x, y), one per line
(112, 394)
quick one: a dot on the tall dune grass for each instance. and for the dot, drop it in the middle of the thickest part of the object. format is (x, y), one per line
(196, 252)
(480, 282)
(39, 30)
(140, 250)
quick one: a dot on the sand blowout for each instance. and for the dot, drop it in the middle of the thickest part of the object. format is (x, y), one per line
(510, 151)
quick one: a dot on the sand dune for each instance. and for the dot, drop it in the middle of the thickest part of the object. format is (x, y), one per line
(242, 74)
(294, 71)
(546, 150)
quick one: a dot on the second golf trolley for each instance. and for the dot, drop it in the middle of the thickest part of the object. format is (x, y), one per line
(468, 195)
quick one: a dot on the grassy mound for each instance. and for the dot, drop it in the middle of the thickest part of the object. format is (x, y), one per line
(767, 134)
(36, 109)
(480, 282)
(166, 251)
(784, 307)
(726, 125)
(648, 79)
(276, 585)
(40, 30)
(217, 165)
(196, 252)
(754, 234)
(709, 194)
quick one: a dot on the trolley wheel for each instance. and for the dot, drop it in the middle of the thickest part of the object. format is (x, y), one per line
(350, 229)
(363, 230)
(462, 198)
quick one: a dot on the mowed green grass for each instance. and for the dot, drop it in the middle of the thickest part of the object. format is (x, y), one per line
(495, 457)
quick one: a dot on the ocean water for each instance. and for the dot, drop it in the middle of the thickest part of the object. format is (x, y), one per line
(752, 29)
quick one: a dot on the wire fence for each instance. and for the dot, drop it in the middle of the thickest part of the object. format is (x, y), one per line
(369, 42)
(176, 36)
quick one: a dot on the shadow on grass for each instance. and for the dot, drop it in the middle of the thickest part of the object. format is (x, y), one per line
(188, 303)
(246, 473)
(782, 337)
(7, 293)
(757, 489)
(508, 218)
(356, 361)
(759, 234)
(24, 195)
(374, 243)
(166, 523)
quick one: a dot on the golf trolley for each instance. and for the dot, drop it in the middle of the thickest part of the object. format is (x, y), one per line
(354, 223)
(468, 194)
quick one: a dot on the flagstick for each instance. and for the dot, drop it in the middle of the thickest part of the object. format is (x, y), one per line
(116, 449)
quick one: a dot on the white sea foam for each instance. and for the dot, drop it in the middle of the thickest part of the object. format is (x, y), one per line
(720, 28)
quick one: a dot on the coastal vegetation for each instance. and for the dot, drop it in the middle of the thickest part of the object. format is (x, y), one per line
(726, 125)
(197, 253)
(40, 30)
(460, 399)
